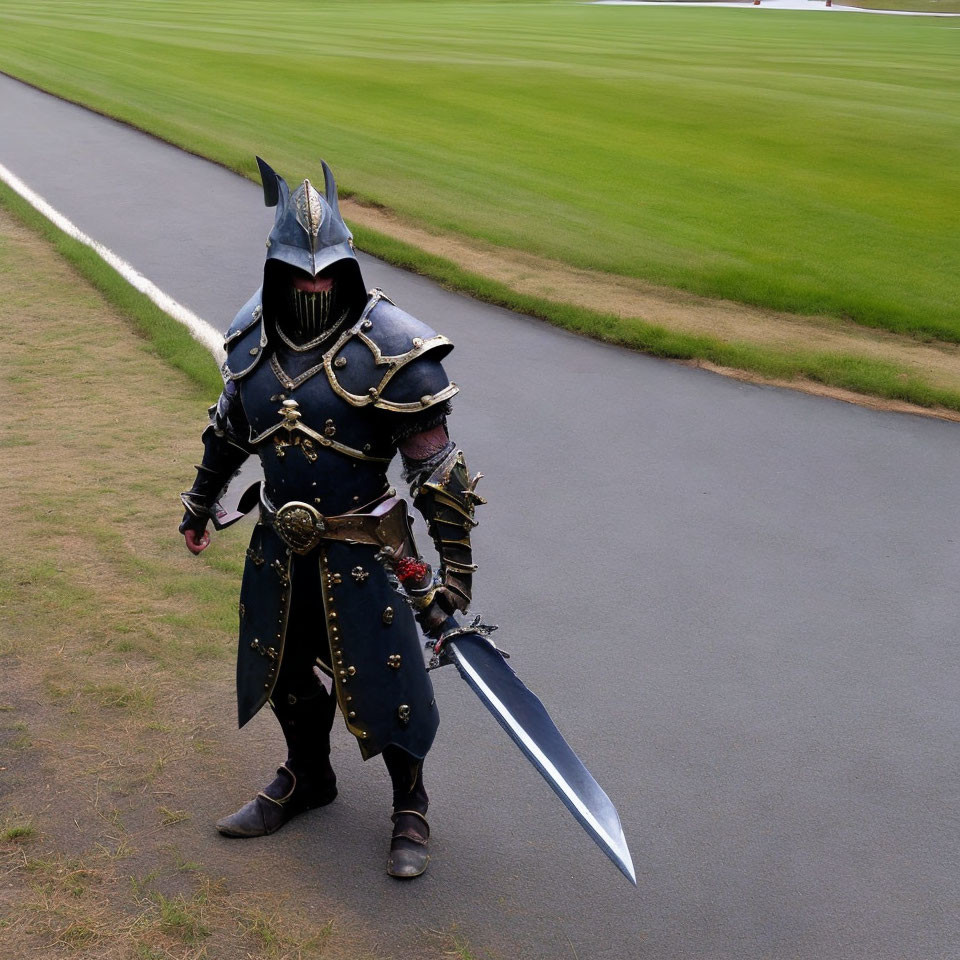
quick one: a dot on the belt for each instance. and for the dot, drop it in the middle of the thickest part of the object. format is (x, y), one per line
(302, 527)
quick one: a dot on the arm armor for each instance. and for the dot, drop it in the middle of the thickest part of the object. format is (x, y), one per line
(444, 493)
(225, 448)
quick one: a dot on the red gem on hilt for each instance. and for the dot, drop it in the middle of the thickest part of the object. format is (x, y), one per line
(410, 569)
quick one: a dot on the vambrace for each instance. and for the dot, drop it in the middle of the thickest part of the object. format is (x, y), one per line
(224, 450)
(444, 494)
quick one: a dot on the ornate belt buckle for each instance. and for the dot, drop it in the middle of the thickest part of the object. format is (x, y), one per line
(300, 526)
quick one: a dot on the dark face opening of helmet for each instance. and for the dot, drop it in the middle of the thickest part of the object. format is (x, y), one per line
(309, 308)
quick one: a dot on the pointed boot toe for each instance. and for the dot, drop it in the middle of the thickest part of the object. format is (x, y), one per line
(279, 802)
(408, 846)
(253, 819)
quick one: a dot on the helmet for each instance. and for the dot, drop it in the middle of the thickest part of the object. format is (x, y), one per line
(309, 240)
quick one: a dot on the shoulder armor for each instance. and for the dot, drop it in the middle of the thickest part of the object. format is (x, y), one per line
(389, 359)
(248, 315)
(245, 340)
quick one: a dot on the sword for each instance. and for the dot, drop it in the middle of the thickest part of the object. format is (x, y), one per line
(521, 713)
(483, 665)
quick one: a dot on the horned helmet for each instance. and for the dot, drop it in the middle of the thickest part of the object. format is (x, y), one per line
(309, 240)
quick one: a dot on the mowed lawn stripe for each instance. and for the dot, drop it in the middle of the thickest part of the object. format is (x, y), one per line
(804, 163)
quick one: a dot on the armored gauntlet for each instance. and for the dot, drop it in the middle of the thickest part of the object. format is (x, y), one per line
(224, 450)
(446, 498)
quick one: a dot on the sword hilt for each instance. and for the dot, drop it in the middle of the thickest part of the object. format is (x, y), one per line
(453, 629)
(415, 576)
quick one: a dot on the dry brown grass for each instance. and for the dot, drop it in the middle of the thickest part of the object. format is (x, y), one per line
(115, 656)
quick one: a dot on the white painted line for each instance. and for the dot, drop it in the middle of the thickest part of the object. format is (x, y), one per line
(201, 331)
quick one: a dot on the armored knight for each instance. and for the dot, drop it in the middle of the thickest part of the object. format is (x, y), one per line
(325, 383)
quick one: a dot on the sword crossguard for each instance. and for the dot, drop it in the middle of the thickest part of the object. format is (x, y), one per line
(476, 627)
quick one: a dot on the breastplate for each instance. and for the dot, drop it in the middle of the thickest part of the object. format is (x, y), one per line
(323, 424)
(313, 445)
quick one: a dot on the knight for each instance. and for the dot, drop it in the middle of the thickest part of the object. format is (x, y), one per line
(325, 383)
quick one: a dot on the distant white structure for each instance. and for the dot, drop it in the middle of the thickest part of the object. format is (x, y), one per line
(770, 5)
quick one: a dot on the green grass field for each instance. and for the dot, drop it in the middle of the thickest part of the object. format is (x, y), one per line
(808, 163)
(931, 6)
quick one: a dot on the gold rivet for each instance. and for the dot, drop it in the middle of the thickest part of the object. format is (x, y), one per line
(337, 578)
(426, 399)
(374, 392)
(254, 351)
(352, 714)
(417, 342)
(351, 671)
(340, 362)
(388, 615)
(366, 325)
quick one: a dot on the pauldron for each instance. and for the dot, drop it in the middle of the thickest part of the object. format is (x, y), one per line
(446, 497)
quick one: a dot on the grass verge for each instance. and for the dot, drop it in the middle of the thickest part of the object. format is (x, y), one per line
(116, 656)
(909, 6)
(847, 372)
(808, 164)
(889, 381)
(168, 338)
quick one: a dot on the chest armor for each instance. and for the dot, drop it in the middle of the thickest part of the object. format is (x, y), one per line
(323, 421)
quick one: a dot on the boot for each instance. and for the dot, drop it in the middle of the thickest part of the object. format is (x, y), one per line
(408, 856)
(278, 802)
(306, 780)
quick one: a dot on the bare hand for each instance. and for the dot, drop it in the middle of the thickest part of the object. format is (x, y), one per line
(195, 545)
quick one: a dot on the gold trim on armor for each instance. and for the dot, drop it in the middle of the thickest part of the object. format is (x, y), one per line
(292, 423)
(255, 315)
(340, 676)
(310, 344)
(281, 636)
(225, 370)
(393, 363)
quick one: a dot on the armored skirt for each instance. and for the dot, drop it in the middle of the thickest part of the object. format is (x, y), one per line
(357, 629)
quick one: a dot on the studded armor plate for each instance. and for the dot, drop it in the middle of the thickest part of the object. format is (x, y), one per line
(324, 432)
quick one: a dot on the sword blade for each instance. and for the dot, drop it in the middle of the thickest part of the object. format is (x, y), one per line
(521, 713)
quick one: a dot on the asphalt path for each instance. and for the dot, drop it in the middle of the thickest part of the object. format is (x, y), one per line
(739, 603)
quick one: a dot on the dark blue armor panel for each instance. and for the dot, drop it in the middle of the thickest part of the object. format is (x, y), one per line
(324, 424)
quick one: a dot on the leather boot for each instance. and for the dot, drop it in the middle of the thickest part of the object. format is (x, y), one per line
(278, 802)
(408, 856)
(408, 846)
(306, 780)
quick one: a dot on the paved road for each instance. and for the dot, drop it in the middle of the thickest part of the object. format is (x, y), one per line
(740, 603)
